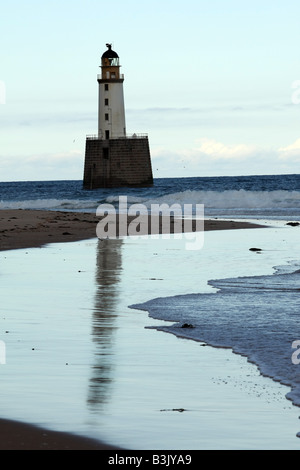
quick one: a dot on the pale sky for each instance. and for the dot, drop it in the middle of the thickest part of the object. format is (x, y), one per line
(215, 84)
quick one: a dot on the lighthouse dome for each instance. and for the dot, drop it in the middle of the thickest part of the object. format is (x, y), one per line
(110, 54)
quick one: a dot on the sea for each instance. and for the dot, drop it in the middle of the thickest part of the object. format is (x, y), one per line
(254, 313)
(268, 197)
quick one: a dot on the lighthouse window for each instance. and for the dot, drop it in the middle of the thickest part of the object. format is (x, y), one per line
(106, 86)
(106, 102)
(106, 117)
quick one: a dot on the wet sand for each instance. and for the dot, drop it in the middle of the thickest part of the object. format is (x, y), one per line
(33, 228)
(26, 229)
(22, 436)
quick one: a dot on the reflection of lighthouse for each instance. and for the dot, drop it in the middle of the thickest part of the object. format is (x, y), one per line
(109, 267)
(111, 121)
(113, 158)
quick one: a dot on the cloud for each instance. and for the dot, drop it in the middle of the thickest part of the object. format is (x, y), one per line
(37, 118)
(290, 152)
(204, 157)
(208, 157)
(219, 151)
(65, 158)
(42, 166)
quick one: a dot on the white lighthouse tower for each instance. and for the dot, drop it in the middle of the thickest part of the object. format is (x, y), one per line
(111, 119)
(113, 158)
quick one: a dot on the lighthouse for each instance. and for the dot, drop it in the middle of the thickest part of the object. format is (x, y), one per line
(114, 158)
(111, 119)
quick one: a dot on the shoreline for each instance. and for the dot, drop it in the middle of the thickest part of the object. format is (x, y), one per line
(16, 435)
(20, 228)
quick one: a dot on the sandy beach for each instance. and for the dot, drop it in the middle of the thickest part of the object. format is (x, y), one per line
(34, 228)
(26, 229)
(81, 361)
(29, 228)
(21, 436)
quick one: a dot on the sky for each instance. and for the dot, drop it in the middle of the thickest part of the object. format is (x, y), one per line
(215, 85)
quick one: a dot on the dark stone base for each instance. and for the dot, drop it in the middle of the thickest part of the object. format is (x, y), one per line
(117, 163)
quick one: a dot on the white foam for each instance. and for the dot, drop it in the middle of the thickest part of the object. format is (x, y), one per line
(233, 199)
(49, 204)
(232, 203)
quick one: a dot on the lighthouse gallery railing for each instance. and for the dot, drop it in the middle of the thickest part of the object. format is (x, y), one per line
(131, 136)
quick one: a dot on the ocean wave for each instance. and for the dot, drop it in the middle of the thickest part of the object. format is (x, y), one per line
(280, 204)
(50, 204)
(114, 200)
(233, 203)
(233, 199)
(256, 317)
(230, 199)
